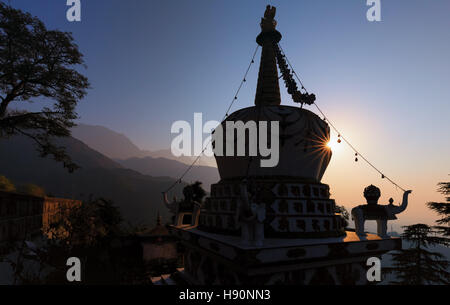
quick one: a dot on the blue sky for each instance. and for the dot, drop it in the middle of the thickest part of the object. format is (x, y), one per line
(384, 84)
(153, 62)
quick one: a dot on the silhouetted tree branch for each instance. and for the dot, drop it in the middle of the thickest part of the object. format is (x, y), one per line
(38, 65)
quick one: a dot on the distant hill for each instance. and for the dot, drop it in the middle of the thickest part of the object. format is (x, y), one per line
(110, 143)
(137, 195)
(165, 167)
(117, 146)
(167, 154)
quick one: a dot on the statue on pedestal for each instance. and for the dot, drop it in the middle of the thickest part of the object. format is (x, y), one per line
(251, 217)
(173, 206)
(190, 205)
(373, 211)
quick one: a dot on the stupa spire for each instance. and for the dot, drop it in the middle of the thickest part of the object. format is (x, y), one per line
(268, 89)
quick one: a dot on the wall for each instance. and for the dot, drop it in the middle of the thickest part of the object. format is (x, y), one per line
(20, 216)
(25, 216)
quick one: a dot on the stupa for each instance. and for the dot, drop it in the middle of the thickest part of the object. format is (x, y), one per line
(276, 225)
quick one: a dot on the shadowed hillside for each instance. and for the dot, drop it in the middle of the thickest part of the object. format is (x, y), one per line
(108, 142)
(117, 146)
(137, 195)
(165, 167)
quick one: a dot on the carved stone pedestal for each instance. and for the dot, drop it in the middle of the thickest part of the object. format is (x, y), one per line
(214, 259)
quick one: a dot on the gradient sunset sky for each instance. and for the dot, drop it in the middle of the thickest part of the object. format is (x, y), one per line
(385, 85)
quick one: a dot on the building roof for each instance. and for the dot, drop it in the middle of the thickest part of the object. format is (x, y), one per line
(158, 230)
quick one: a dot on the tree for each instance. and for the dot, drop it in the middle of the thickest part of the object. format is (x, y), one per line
(340, 209)
(417, 265)
(443, 209)
(86, 225)
(194, 192)
(6, 185)
(92, 232)
(38, 65)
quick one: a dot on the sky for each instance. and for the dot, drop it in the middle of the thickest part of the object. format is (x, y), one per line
(385, 85)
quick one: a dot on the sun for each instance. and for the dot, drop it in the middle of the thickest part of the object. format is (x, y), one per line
(333, 144)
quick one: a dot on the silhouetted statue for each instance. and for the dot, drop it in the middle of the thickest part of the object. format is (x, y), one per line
(190, 205)
(251, 217)
(373, 211)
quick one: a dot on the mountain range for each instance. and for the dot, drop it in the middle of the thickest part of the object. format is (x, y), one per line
(166, 167)
(118, 146)
(112, 166)
(134, 183)
(121, 149)
(137, 195)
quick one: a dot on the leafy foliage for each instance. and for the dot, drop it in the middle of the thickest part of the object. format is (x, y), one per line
(418, 265)
(194, 192)
(340, 209)
(33, 190)
(86, 225)
(6, 185)
(38, 65)
(92, 232)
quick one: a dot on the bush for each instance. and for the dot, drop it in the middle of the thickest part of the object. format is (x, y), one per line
(6, 185)
(33, 190)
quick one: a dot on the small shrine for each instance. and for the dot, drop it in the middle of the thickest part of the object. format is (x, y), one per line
(278, 225)
(159, 249)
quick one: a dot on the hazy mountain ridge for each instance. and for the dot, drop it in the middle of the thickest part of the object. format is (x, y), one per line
(138, 195)
(108, 142)
(167, 154)
(165, 167)
(134, 183)
(118, 146)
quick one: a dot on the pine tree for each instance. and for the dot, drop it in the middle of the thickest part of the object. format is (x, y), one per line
(443, 209)
(418, 265)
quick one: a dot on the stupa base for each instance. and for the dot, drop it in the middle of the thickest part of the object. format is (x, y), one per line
(294, 208)
(215, 259)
